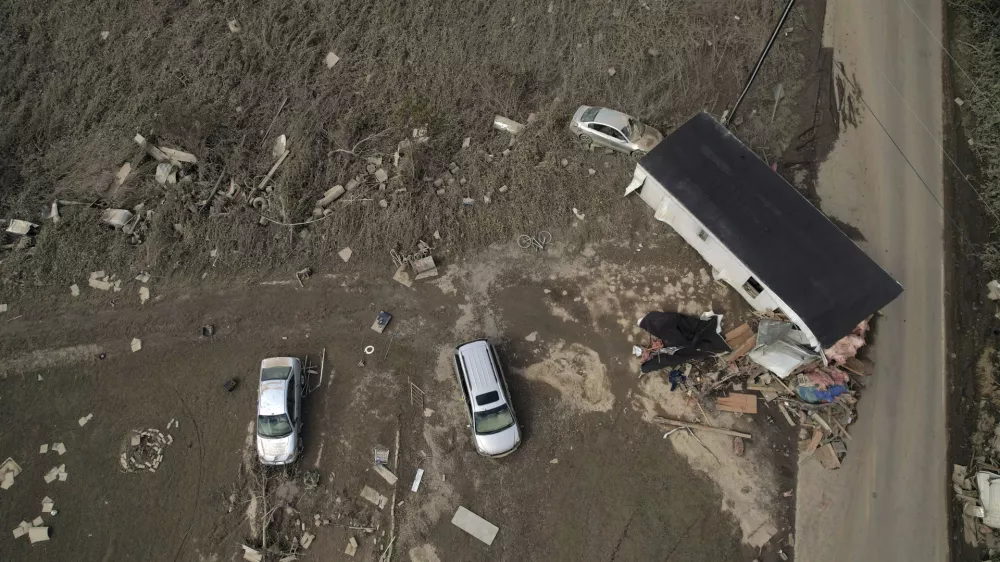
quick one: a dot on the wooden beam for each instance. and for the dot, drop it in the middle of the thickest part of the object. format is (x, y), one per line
(679, 423)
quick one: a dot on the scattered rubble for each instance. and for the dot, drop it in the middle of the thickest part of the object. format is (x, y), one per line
(74, 290)
(143, 450)
(19, 227)
(8, 471)
(416, 480)
(83, 421)
(345, 254)
(374, 497)
(136, 345)
(331, 59)
(56, 472)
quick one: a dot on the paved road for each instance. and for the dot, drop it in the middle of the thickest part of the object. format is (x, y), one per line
(888, 501)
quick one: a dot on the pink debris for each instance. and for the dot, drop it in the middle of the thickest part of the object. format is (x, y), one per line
(825, 377)
(848, 346)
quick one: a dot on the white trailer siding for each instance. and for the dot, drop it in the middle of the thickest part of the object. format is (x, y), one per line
(725, 265)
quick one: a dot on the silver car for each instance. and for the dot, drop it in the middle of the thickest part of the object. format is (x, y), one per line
(279, 410)
(494, 427)
(614, 130)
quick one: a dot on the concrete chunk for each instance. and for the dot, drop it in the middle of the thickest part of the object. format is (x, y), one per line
(386, 474)
(345, 254)
(475, 525)
(374, 497)
(38, 534)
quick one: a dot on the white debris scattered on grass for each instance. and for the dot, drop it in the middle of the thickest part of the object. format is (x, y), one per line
(959, 102)
(105, 35)
(331, 59)
(143, 450)
(59, 448)
(122, 174)
(102, 281)
(83, 421)
(142, 277)
(3, 307)
(345, 254)
(234, 26)
(416, 480)
(43, 449)
(578, 214)
(20, 227)
(47, 505)
(251, 555)
(280, 146)
(466, 142)
(136, 344)
(8, 470)
(531, 337)
(143, 295)
(74, 290)
(611, 71)
(554, 461)
(504, 124)
(163, 170)
(307, 540)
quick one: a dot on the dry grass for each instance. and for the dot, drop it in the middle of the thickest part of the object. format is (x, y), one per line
(72, 103)
(977, 46)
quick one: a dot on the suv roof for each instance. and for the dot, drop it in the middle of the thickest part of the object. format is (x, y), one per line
(481, 374)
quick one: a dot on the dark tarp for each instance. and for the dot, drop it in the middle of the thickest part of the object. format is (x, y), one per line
(695, 338)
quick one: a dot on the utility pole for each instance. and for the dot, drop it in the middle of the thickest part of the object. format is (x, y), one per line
(760, 62)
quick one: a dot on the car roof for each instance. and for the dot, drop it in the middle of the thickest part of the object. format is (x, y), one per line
(481, 373)
(616, 119)
(271, 401)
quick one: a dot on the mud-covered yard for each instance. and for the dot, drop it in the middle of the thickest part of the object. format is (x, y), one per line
(594, 478)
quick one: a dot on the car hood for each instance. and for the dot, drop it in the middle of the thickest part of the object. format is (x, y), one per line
(500, 443)
(278, 450)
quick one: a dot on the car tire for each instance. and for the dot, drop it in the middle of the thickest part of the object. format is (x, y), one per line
(637, 154)
(585, 140)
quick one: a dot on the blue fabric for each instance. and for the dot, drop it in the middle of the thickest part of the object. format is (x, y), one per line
(815, 395)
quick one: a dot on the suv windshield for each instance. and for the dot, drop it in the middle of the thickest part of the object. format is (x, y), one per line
(274, 373)
(274, 426)
(492, 421)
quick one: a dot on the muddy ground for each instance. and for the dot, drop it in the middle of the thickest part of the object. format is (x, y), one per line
(594, 478)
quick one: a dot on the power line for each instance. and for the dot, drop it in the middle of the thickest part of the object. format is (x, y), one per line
(938, 143)
(903, 154)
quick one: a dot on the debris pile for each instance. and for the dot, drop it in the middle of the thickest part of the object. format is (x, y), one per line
(766, 357)
(143, 450)
(8, 471)
(416, 266)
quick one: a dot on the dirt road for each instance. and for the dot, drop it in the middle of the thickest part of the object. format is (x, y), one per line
(885, 177)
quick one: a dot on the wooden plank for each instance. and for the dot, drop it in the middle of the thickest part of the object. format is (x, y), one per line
(736, 402)
(813, 444)
(828, 457)
(738, 335)
(742, 349)
(679, 423)
(784, 412)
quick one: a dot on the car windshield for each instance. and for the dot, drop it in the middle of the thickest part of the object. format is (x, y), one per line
(633, 130)
(274, 373)
(274, 426)
(492, 421)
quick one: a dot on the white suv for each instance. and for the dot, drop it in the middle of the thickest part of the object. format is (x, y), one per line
(494, 426)
(279, 410)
